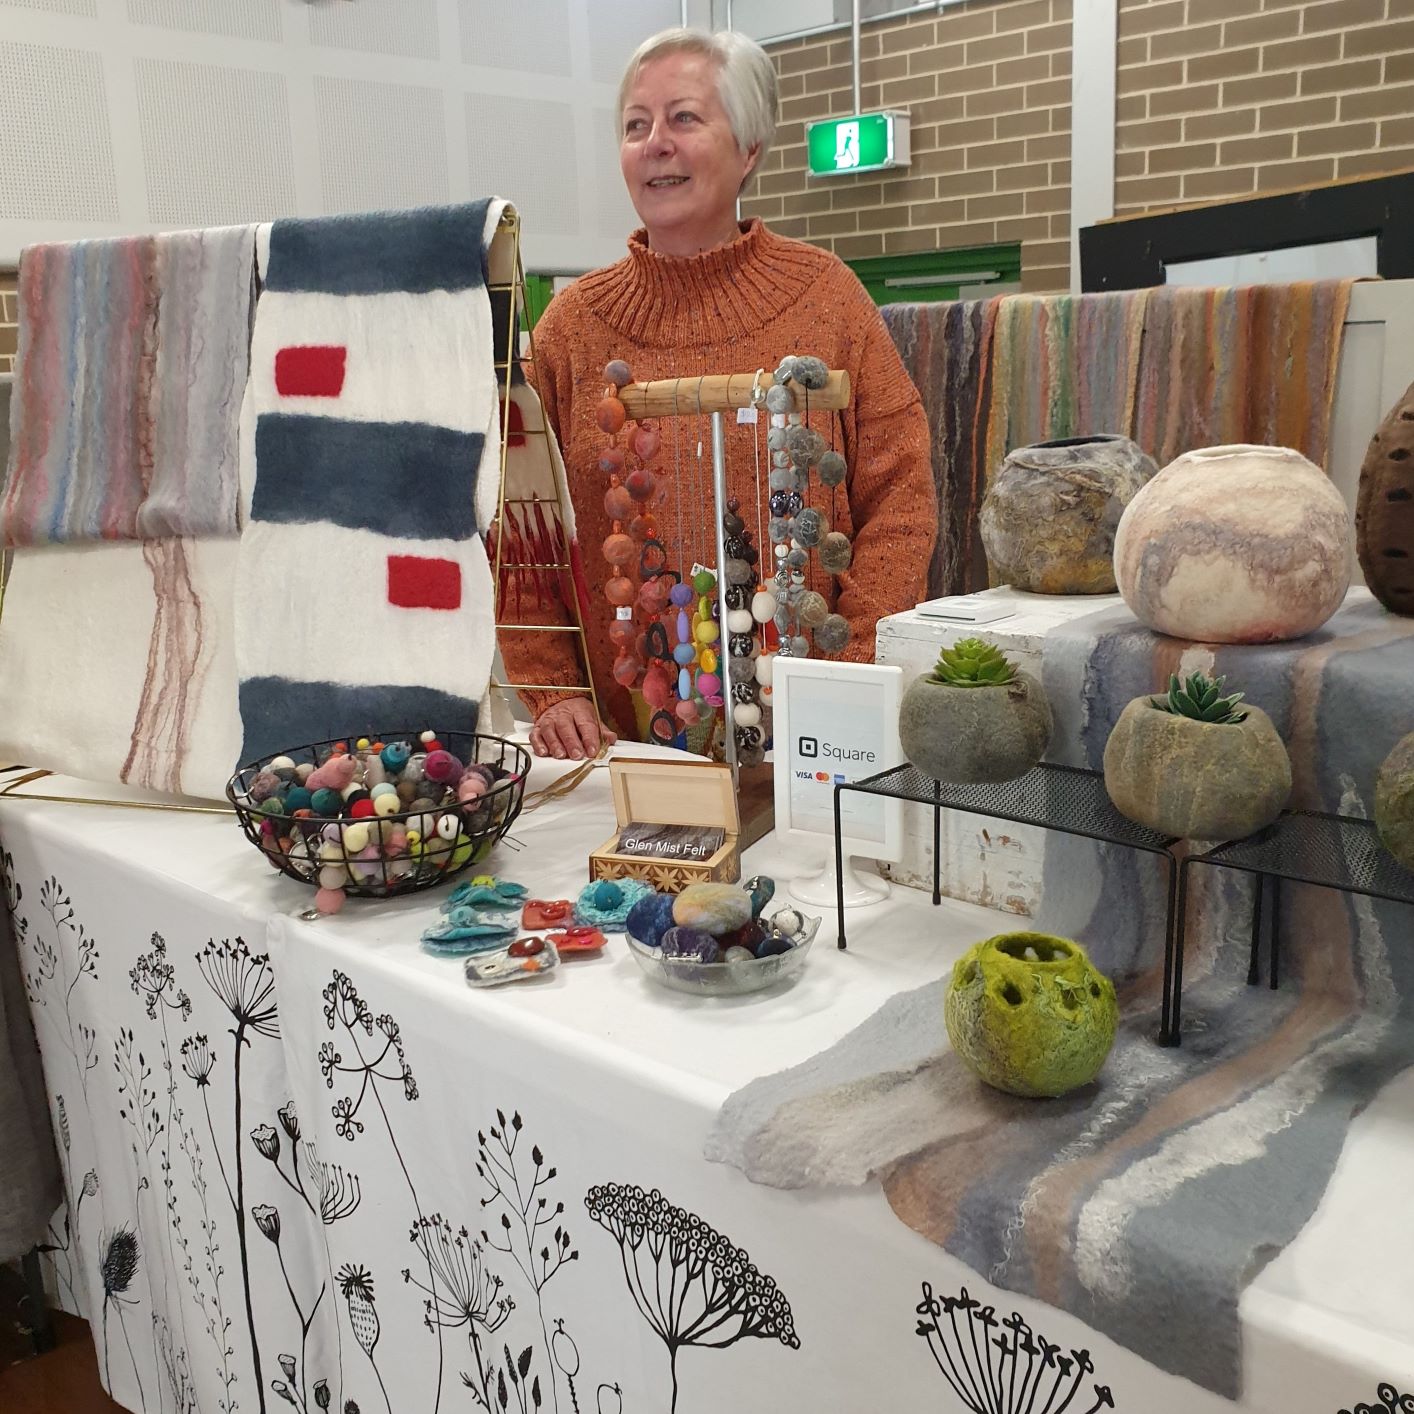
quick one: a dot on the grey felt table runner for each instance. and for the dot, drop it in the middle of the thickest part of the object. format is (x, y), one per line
(1145, 1203)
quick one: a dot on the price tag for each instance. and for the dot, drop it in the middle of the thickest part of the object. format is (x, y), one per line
(745, 415)
(624, 611)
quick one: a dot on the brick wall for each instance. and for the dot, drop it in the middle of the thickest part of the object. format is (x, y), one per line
(9, 315)
(988, 87)
(1223, 98)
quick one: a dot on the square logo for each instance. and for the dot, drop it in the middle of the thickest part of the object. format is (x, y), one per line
(809, 746)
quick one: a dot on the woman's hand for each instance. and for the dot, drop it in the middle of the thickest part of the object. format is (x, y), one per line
(569, 730)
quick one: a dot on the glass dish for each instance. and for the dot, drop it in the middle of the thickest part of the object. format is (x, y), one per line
(724, 979)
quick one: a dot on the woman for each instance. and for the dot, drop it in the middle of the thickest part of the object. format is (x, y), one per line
(701, 293)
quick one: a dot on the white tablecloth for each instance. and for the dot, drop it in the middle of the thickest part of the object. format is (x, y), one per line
(429, 1114)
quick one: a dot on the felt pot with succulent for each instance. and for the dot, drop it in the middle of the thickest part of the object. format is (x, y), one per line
(1193, 764)
(1394, 802)
(975, 717)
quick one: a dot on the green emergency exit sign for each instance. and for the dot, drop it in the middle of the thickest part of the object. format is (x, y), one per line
(863, 142)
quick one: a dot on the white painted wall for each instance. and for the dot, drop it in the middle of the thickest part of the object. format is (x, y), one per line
(126, 116)
(1094, 40)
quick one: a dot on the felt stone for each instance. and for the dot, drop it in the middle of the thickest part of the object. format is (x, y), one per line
(713, 908)
(1030, 1014)
(831, 468)
(650, 918)
(304, 771)
(787, 922)
(811, 372)
(1384, 509)
(835, 552)
(800, 646)
(738, 957)
(776, 439)
(1394, 802)
(1197, 780)
(282, 766)
(780, 460)
(1049, 518)
(833, 634)
(265, 784)
(813, 609)
(974, 734)
(773, 946)
(739, 571)
(690, 944)
(741, 669)
(777, 529)
(1235, 545)
(750, 756)
(779, 399)
(809, 527)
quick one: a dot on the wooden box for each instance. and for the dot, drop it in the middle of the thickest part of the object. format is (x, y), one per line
(672, 793)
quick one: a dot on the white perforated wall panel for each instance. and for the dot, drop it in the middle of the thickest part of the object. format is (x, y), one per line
(616, 30)
(215, 143)
(125, 116)
(405, 27)
(87, 8)
(381, 145)
(501, 135)
(532, 36)
(56, 152)
(614, 216)
(239, 19)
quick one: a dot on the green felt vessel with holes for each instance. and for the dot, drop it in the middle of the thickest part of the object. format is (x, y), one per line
(1030, 1014)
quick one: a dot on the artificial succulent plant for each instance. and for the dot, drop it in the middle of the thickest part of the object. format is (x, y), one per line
(1201, 700)
(973, 662)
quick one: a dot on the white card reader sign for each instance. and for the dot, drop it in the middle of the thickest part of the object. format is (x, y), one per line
(835, 723)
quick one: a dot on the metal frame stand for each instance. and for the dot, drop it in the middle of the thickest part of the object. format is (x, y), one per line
(1308, 847)
(1061, 798)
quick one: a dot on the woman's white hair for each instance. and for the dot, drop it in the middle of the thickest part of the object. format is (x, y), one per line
(746, 80)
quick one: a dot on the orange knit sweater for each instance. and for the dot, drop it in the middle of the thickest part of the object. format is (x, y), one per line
(743, 306)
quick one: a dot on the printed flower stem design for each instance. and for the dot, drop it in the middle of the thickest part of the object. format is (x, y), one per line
(462, 1293)
(245, 986)
(118, 1263)
(692, 1286)
(357, 1286)
(198, 1061)
(339, 1195)
(525, 1211)
(346, 1010)
(984, 1368)
(566, 1357)
(267, 1219)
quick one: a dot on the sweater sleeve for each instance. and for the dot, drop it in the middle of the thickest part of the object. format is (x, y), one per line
(892, 500)
(539, 657)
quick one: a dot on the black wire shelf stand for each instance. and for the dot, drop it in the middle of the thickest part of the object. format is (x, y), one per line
(1066, 799)
(1338, 852)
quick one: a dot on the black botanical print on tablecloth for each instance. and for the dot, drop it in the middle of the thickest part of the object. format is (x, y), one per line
(356, 1283)
(369, 1051)
(693, 1286)
(245, 985)
(198, 1061)
(532, 1233)
(118, 1261)
(1003, 1366)
(1388, 1401)
(153, 978)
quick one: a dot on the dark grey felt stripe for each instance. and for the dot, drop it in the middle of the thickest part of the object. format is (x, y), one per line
(279, 714)
(412, 480)
(412, 252)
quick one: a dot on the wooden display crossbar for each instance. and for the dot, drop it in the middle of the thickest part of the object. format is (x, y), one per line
(725, 392)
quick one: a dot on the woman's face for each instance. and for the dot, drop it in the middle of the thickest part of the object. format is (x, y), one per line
(680, 161)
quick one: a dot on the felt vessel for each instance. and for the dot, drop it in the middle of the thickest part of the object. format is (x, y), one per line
(1049, 519)
(1394, 802)
(1384, 509)
(1237, 544)
(1197, 780)
(1030, 1014)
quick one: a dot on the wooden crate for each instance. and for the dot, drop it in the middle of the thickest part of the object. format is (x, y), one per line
(672, 793)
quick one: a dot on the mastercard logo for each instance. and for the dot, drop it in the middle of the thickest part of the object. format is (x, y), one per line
(822, 776)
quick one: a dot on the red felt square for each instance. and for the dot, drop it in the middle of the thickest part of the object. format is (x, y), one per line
(515, 436)
(310, 371)
(421, 582)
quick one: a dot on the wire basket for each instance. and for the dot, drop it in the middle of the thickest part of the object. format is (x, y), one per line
(293, 845)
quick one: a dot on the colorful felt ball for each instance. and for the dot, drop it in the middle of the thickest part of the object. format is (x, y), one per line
(611, 461)
(610, 415)
(681, 595)
(707, 660)
(363, 809)
(395, 755)
(620, 591)
(646, 442)
(356, 836)
(470, 788)
(739, 621)
(640, 483)
(688, 712)
(627, 668)
(618, 504)
(657, 688)
(282, 766)
(443, 767)
(765, 668)
(333, 876)
(706, 631)
(619, 548)
(383, 788)
(329, 900)
(683, 654)
(709, 684)
(617, 372)
(326, 801)
(763, 606)
(653, 596)
(833, 634)
(704, 581)
(448, 826)
(623, 632)
(746, 714)
(386, 805)
(304, 771)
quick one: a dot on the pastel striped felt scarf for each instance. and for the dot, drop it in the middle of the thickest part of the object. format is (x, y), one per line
(124, 415)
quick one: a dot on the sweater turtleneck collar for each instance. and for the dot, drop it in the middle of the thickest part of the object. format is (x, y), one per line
(662, 301)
